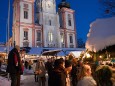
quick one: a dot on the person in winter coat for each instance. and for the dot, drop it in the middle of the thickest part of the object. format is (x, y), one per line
(58, 77)
(68, 68)
(85, 77)
(74, 72)
(41, 71)
(14, 66)
(34, 69)
(49, 68)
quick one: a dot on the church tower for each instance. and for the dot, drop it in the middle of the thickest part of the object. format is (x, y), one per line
(47, 17)
(37, 24)
(23, 23)
(67, 25)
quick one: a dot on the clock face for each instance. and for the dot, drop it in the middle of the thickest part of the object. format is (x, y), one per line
(49, 4)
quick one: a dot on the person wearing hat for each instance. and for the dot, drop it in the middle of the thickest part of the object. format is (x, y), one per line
(58, 77)
(68, 68)
(14, 66)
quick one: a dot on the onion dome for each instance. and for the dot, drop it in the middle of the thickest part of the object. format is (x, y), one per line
(64, 4)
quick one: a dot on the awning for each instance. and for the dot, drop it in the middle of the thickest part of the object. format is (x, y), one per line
(51, 52)
(35, 51)
(4, 49)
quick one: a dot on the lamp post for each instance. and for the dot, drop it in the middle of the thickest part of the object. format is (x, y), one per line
(8, 23)
(8, 29)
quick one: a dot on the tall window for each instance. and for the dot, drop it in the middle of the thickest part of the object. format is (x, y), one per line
(25, 35)
(26, 44)
(38, 38)
(71, 38)
(62, 38)
(50, 36)
(50, 22)
(60, 20)
(69, 19)
(25, 14)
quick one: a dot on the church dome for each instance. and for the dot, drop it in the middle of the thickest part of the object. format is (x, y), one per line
(64, 4)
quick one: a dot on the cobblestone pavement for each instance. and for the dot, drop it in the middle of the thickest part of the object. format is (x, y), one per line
(28, 80)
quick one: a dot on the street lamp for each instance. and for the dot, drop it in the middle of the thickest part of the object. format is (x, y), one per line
(8, 30)
(8, 23)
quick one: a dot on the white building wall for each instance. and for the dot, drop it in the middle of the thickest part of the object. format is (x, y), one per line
(68, 41)
(58, 30)
(36, 37)
(41, 18)
(74, 42)
(55, 35)
(30, 36)
(21, 36)
(29, 20)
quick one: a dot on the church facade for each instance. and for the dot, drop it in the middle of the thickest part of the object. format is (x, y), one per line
(37, 24)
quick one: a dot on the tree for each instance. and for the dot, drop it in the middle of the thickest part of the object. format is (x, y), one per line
(80, 43)
(108, 7)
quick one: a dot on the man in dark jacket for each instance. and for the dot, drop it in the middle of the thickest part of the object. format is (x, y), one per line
(58, 77)
(14, 66)
(49, 68)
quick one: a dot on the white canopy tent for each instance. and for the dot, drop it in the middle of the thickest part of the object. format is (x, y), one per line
(76, 54)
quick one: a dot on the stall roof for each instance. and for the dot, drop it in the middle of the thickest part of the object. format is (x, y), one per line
(62, 51)
(46, 51)
(35, 50)
(51, 52)
(76, 54)
(4, 49)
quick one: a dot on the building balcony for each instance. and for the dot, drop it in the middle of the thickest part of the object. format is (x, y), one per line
(25, 44)
(71, 46)
(38, 44)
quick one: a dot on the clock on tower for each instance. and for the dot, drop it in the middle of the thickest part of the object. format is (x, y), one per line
(49, 5)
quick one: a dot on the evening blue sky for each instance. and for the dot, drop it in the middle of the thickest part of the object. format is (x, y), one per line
(86, 11)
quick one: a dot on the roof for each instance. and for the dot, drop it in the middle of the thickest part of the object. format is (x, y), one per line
(35, 50)
(51, 52)
(64, 4)
(62, 51)
(76, 53)
(47, 51)
(4, 49)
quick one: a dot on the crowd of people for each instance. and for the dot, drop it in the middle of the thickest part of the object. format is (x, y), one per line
(61, 72)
